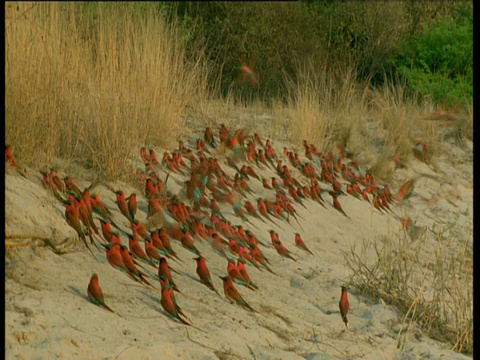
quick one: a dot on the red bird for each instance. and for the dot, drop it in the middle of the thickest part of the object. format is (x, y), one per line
(301, 244)
(71, 185)
(243, 271)
(116, 238)
(132, 268)
(405, 191)
(365, 195)
(209, 137)
(234, 273)
(187, 242)
(218, 243)
(72, 215)
(261, 157)
(344, 305)
(274, 237)
(137, 251)
(86, 216)
(139, 229)
(336, 202)
(150, 187)
(249, 74)
(9, 157)
(291, 210)
(151, 251)
(144, 155)
(166, 242)
(47, 181)
(164, 270)
(251, 171)
(204, 274)
(259, 257)
(224, 132)
(245, 255)
(55, 177)
(168, 301)
(282, 250)
(262, 208)
(87, 199)
(132, 205)
(114, 257)
(251, 209)
(153, 157)
(157, 242)
(266, 184)
(234, 248)
(98, 206)
(107, 230)
(336, 184)
(95, 293)
(232, 294)
(275, 183)
(122, 204)
(420, 150)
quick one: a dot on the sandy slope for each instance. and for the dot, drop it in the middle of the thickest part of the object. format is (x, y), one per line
(48, 315)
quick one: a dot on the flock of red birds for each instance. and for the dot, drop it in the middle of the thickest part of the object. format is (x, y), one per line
(194, 214)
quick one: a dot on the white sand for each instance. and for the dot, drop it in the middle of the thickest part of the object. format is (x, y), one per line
(48, 315)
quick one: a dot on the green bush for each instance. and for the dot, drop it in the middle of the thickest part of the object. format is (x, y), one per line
(438, 60)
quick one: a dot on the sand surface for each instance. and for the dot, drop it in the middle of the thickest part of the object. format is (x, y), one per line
(48, 315)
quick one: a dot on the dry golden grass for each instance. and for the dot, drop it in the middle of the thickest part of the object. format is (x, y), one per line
(324, 108)
(93, 82)
(432, 289)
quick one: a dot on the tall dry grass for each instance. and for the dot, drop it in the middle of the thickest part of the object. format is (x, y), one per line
(433, 289)
(92, 82)
(323, 107)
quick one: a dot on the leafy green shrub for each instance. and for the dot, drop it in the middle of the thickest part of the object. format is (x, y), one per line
(438, 60)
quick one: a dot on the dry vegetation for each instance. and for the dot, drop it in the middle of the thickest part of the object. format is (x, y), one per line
(433, 289)
(94, 87)
(93, 96)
